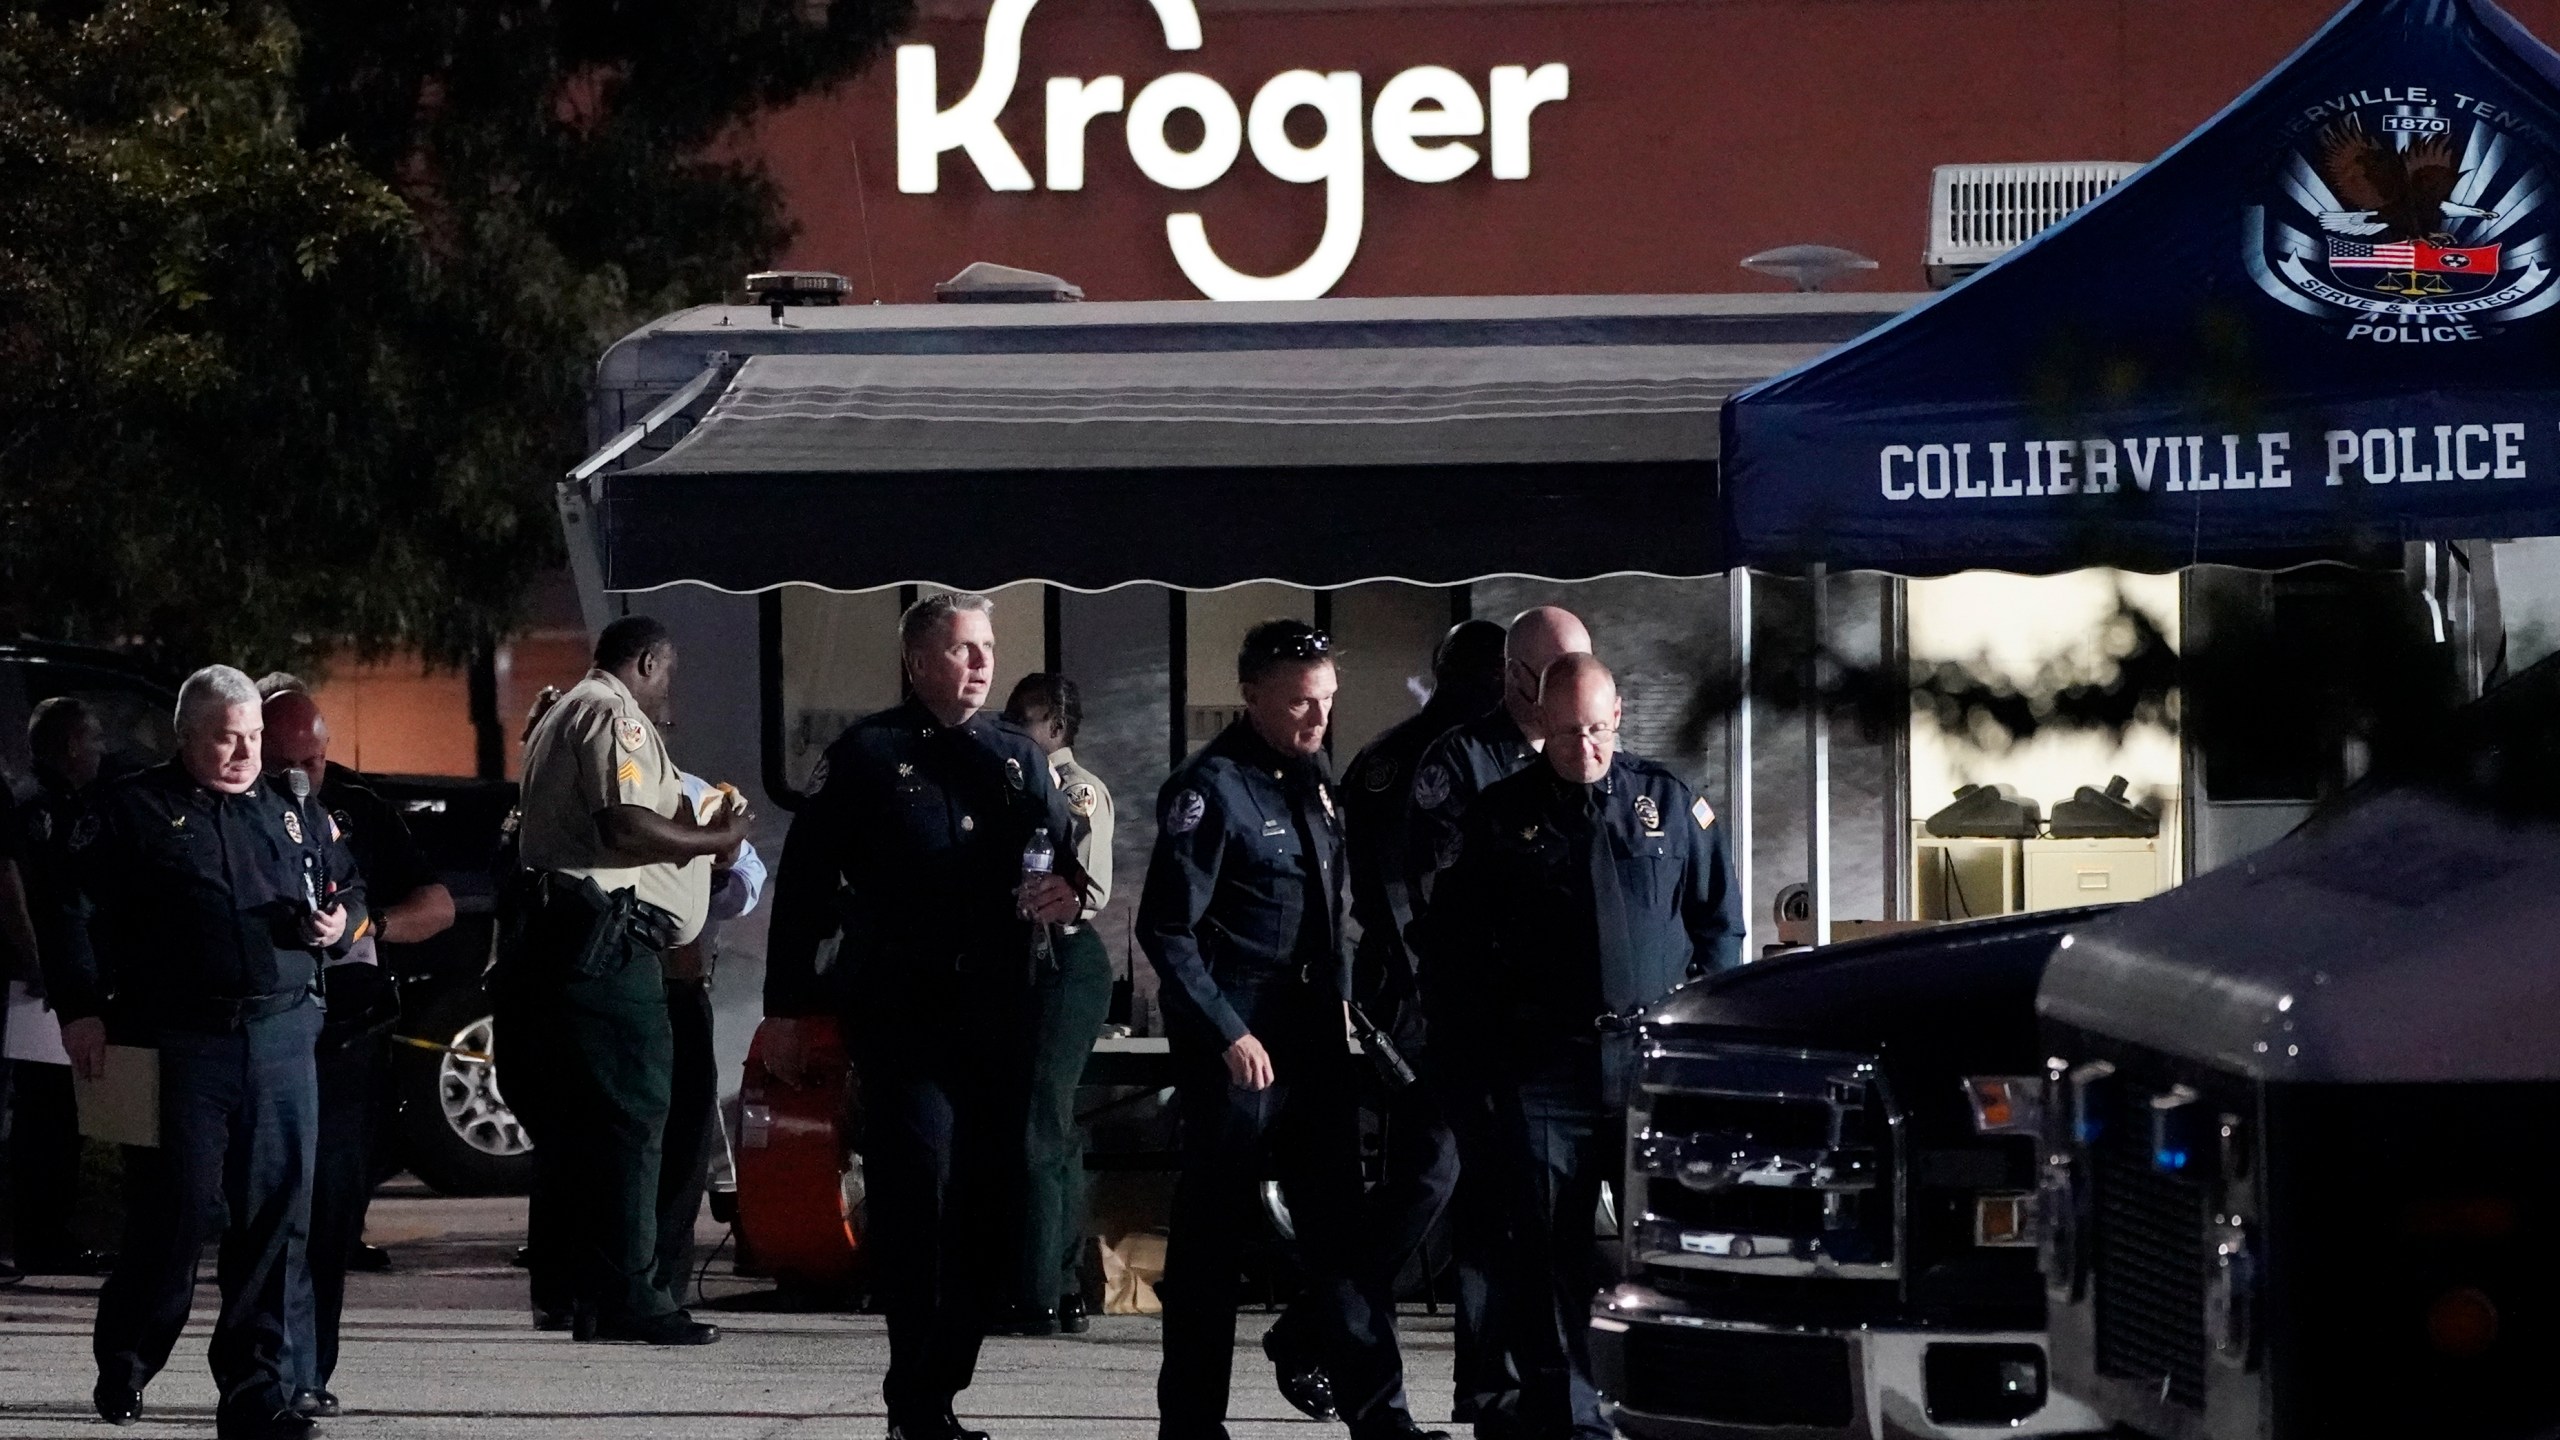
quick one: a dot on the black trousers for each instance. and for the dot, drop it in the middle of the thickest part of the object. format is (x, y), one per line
(351, 1078)
(1441, 1160)
(1563, 1137)
(44, 1164)
(1067, 1009)
(1305, 1127)
(684, 1163)
(239, 1115)
(587, 1066)
(944, 1088)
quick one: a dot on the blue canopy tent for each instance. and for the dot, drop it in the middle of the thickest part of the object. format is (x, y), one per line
(2325, 322)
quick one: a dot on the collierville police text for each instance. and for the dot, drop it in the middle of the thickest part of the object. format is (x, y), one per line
(1999, 469)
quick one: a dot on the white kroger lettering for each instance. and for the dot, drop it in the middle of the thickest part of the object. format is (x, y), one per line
(2463, 440)
(1967, 488)
(2342, 452)
(2386, 469)
(1894, 489)
(2098, 462)
(2510, 452)
(1425, 103)
(2142, 457)
(2275, 471)
(2235, 476)
(2001, 484)
(2410, 470)
(1937, 472)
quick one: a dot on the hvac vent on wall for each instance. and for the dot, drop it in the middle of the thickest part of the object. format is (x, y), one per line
(1978, 213)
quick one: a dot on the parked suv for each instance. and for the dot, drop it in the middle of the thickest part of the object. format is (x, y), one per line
(452, 1127)
(1832, 1161)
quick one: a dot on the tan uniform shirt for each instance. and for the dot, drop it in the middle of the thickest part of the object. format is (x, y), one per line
(1089, 800)
(596, 750)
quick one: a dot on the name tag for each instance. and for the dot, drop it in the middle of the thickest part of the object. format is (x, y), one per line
(1273, 828)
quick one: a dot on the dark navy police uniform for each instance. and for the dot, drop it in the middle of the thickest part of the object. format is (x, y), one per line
(910, 850)
(1242, 917)
(198, 903)
(1423, 1143)
(1566, 911)
(44, 1125)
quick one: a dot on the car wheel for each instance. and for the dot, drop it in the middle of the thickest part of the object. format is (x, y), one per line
(459, 1135)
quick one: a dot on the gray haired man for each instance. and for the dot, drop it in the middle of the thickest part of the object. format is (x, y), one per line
(216, 895)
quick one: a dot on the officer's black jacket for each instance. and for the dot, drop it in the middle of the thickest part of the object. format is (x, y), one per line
(1452, 772)
(199, 896)
(910, 846)
(52, 820)
(1230, 889)
(386, 854)
(1512, 947)
(1377, 816)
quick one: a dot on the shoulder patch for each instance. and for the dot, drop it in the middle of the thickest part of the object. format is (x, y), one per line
(1431, 786)
(293, 827)
(1013, 772)
(627, 773)
(629, 733)
(1702, 812)
(1083, 798)
(1379, 775)
(1183, 814)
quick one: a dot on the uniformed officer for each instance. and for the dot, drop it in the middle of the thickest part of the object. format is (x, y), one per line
(215, 895)
(1584, 889)
(1243, 918)
(410, 906)
(1502, 742)
(1421, 1149)
(1069, 1000)
(911, 847)
(617, 872)
(67, 744)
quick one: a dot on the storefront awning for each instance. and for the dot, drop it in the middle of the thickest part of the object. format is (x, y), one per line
(2328, 319)
(1321, 453)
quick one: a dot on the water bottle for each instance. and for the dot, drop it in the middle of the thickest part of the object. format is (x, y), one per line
(1039, 857)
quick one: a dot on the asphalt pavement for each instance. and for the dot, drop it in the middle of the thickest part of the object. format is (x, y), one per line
(443, 1347)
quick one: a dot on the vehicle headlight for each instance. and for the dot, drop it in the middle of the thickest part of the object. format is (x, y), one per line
(2006, 1104)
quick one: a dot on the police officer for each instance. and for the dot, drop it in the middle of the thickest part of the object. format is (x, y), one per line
(67, 744)
(410, 906)
(1069, 1000)
(617, 872)
(1584, 889)
(1242, 917)
(1502, 742)
(912, 847)
(1421, 1149)
(215, 895)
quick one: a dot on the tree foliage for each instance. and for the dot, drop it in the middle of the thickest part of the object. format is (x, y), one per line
(299, 299)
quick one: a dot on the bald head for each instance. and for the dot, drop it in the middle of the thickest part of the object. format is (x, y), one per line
(1539, 637)
(1578, 712)
(297, 735)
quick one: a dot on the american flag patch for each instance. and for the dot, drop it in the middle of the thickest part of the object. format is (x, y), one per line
(2414, 255)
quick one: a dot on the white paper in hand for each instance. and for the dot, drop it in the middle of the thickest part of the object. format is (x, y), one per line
(122, 1106)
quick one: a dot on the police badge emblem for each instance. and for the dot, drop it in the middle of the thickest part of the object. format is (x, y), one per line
(293, 827)
(1083, 799)
(1380, 777)
(629, 733)
(1013, 772)
(1649, 815)
(1184, 814)
(1702, 812)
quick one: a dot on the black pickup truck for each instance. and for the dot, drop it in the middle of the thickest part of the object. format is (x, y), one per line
(1829, 1224)
(452, 1128)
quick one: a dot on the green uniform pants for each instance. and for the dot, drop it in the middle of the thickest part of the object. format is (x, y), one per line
(587, 1067)
(1067, 1008)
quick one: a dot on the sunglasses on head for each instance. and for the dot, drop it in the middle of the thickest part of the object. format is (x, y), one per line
(1304, 645)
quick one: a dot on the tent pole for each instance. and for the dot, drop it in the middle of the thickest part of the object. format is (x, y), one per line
(1737, 766)
(1817, 769)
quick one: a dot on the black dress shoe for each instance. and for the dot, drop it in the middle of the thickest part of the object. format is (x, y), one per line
(1025, 1321)
(318, 1404)
(1302, 1382)
(116, 1404)
(282, 1425)
(1073, 1317)
(552, 1319)
(71, 1262)
(1402, 1428)
(371, 1259)
(677, 1328)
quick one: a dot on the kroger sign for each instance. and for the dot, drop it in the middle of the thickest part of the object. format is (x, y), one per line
(1421, 125)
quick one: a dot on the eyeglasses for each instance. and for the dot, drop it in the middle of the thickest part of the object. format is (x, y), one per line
(1591, 734)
